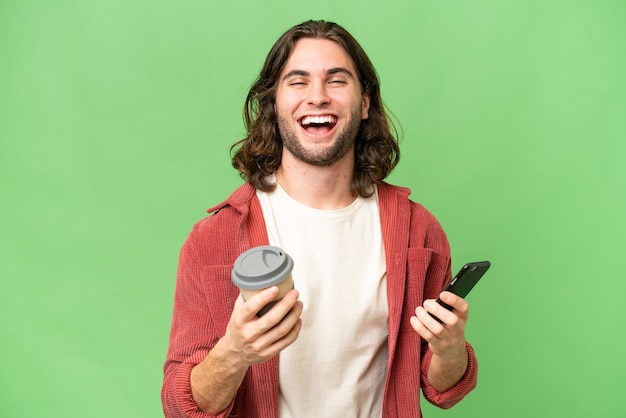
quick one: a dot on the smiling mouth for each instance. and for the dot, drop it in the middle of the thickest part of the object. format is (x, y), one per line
(318, 124)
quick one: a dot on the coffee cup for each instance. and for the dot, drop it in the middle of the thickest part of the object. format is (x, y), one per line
(261, 267)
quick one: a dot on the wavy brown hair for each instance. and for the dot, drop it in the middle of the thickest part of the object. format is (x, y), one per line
(259, 154)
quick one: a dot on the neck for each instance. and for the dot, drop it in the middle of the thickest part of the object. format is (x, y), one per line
(324, 188)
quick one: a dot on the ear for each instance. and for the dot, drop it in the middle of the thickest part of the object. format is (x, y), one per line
(365, 106)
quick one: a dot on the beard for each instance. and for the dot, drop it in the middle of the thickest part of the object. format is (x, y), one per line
(323, 157)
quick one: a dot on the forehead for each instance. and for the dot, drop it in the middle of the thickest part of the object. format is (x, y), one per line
(318, 55)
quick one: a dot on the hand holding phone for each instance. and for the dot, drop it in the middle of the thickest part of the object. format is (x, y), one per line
(464, 281)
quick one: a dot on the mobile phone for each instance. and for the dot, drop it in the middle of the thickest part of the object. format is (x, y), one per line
(464, 281)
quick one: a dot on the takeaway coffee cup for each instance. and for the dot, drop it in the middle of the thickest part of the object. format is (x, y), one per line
(260, 268)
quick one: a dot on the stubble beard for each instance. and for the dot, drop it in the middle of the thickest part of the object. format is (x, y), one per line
(324, 157)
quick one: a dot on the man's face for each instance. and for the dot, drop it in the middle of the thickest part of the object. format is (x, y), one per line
(319, 102)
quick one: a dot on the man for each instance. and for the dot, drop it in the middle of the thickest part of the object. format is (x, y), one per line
(355, 337)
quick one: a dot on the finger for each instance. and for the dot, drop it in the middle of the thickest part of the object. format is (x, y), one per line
(425, 325)
(281, 335)
(419, 327)
(286, 326)
(253, 305)
(459, 304)
(254, 329)
(278, 345)
(284, 305)
(282, 317)
(443, 316)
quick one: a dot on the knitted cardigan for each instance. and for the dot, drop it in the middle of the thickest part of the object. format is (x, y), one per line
(418, 267)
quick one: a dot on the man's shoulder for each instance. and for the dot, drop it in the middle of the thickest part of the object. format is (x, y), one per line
(226, 214)
(401, 196)
(392, 189)
(387, 191)
(239, 199)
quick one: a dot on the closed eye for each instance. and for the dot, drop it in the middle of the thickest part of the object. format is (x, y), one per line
(297, 83)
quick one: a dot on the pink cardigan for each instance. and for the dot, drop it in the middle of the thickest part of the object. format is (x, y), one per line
(418, 266)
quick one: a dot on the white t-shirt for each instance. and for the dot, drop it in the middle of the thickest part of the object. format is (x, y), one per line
(337, 366)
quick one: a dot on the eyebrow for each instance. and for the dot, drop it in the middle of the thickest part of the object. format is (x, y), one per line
(331, 71)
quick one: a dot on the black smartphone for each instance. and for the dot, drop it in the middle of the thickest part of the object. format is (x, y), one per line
(464, 281)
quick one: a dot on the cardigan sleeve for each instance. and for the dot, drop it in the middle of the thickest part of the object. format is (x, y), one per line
(193, 334)
(452, 396)
(203, 304)
(437, 276)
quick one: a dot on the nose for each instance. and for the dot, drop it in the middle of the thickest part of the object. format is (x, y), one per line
(318, 94)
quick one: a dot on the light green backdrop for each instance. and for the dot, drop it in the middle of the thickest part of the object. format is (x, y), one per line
(116, 119)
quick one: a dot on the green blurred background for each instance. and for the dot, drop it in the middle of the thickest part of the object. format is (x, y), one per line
(116, 120)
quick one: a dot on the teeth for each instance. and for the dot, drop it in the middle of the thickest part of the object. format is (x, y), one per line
(318, 120)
